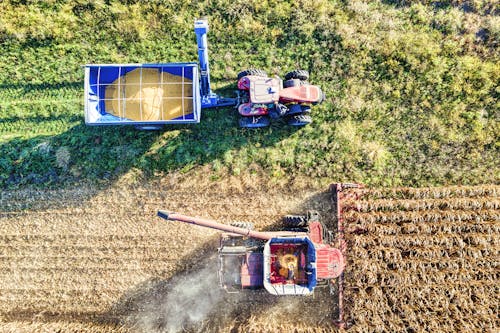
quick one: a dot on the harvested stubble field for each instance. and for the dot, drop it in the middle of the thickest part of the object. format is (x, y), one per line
(84, 259)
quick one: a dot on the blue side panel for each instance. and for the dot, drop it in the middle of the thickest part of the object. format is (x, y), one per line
(311, 256)
(99, 77)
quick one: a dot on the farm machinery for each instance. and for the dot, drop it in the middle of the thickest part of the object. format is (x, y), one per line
(261, 98)
(293, 261)
(150, 96)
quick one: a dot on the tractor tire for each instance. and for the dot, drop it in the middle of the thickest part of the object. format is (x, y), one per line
(300, 74)
(305, 108)
(292, 83)
(244, 225)
(295, 221)
(254, 122)
(253, 71)
(300, 120)
(294, 109)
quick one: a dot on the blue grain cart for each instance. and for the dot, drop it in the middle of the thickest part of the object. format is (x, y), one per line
(149, 96)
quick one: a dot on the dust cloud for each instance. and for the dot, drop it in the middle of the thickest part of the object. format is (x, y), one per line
(183, 304)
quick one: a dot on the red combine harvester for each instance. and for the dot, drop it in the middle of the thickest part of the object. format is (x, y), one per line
(289, 262)
(261, 98)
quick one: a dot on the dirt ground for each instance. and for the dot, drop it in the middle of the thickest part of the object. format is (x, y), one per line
(85, 259)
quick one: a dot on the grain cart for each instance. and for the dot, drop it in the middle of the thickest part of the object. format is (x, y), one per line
(261, 98)
(149, 96)
(293, 261)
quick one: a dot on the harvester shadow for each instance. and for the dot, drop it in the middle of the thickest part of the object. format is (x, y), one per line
(192, 301)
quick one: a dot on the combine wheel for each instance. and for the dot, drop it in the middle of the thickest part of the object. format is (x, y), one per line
(300, 74)
(295, 221)
(244, 225)
(256, 72)
(300, 120)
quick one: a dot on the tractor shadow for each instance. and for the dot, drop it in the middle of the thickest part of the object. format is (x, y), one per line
(192, 301)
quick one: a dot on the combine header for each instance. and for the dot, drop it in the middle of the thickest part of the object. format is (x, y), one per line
(293, 261)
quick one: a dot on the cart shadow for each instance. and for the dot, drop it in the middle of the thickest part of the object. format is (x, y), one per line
(105, 153)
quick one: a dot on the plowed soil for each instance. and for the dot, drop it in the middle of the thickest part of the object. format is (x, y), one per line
(99, 260)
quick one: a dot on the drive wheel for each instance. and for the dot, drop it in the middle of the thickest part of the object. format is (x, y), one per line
(253, 71)
(299, 120)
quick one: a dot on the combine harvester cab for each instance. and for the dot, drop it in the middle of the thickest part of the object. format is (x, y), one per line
(149, 96)
(290, 266)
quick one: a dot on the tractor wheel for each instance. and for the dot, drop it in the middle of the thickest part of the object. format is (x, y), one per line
(300, 120)
(292, 83)
(300, 74)
(254, 121)
(294, 109)
(295, 221)
(244, 225)
(305, 108)
(253, 71)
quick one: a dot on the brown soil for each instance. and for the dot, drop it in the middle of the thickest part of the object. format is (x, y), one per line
(99, 260)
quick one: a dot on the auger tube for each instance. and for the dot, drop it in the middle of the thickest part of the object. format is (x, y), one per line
(171, 216)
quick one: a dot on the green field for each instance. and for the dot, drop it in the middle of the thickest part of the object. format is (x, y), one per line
(412, 91)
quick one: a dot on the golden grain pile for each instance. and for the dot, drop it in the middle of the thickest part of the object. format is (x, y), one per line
(99, 260)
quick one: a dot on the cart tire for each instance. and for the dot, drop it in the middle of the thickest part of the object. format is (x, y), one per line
(300, 74)
(148, 127)
(253, 71)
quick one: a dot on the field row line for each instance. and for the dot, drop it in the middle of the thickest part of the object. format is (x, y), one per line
(423, 216)
(389, 205)
(445, 192)
(485, 227)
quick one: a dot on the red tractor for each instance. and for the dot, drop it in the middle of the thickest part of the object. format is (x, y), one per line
(293, 261)
(261, 98)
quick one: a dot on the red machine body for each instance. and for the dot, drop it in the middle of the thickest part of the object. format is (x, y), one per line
(262, 97)
(292, 261)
